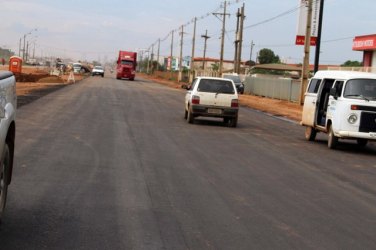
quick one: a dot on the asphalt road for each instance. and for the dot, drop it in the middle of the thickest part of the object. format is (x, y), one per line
(109, 164)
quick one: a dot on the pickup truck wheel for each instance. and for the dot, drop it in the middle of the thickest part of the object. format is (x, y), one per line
(362, 142)
(4, 168)
(310, 133)
(190, 117)
(332, 139)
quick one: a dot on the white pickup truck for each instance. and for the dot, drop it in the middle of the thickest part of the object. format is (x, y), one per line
(8, 105)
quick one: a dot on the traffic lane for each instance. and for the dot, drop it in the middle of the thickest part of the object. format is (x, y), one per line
(322, 179)
(170, 184)
(284, 163)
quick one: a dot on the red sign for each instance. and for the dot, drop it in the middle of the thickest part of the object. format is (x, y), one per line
(301, 39)
(364, 42)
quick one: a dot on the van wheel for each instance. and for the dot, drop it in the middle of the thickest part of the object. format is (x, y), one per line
(332, 139)
(310, 133)
(4, 171)
(362, 142)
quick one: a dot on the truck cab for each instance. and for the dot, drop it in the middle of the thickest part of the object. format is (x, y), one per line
(126, 65)
(341, 104)
(8, 105)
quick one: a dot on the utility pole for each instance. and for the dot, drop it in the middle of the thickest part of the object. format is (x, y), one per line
(191, 75)
(224, 14)
(148, 63)
(240, 44)
(307, 45)
(172, 49)
(152, 58)
(159, 47)
(250, 54)
(318, 41)
(206, 37)
(236, 41)
(19, 48)
(181, 54)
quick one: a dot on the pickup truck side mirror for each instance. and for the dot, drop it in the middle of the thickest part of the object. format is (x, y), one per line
(333, 92)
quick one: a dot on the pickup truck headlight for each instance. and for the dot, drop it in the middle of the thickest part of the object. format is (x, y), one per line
(352, 118)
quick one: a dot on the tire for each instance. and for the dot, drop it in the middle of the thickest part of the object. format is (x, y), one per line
(310, 133)
(233, 122)
(332, 139)
(226, 120)
(132, 79)
(362, 142)
(190, 117)
(103, 75)
(4, 171)
(185, 114)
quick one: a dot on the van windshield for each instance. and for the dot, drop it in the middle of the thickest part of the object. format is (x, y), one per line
(360, 88)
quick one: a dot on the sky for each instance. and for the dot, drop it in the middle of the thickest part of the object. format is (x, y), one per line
(98, 29)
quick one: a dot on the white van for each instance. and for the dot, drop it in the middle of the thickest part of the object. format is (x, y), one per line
(342, 104)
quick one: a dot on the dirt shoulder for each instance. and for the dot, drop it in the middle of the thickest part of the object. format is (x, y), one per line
(289, 110)
(36, 82)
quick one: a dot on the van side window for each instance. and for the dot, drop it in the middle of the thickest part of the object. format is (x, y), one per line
(314, 86)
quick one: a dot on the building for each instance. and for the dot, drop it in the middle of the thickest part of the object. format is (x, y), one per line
(367, 44)
(211, 63)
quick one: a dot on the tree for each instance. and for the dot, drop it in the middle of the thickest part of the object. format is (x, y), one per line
(352, 64)
(268, 56)
(215, 66)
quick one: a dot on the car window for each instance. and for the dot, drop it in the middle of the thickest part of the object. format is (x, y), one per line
(234, 78)
(193, 83)
(215, 86)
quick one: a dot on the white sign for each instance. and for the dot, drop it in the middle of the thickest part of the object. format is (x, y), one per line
(302, 22)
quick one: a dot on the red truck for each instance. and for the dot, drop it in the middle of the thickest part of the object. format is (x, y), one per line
(126, 65)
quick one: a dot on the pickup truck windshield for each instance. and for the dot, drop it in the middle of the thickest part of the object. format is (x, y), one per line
(216, 86)
(360, 88)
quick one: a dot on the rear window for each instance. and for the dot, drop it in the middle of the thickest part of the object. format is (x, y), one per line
(216, 86)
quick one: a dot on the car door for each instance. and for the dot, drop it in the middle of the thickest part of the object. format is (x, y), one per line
(310, 102)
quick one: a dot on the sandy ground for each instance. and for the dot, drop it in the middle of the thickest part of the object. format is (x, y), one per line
(275, 107)
(30, 91)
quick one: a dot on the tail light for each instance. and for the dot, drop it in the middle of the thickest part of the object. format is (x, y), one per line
(195, 99)
(234, 103)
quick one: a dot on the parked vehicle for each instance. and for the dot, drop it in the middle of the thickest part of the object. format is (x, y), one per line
(126, 65)
(97, 70)
(236, 79)
(342, 104)
(8, 105)
(212, 97)
(77, 67)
